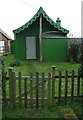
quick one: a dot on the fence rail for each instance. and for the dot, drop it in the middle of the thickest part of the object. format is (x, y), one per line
(40, 91)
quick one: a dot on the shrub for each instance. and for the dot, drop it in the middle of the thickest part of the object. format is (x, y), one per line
(81, 71)
(14, 63)
(74, 52)
(4, 73)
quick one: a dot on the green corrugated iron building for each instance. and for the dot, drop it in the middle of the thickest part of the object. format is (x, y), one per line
(41, 38)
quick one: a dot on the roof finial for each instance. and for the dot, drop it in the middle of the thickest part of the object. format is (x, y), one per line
(58, 22)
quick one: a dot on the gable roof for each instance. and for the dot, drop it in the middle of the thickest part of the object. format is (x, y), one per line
(39, 12)
(2, 32)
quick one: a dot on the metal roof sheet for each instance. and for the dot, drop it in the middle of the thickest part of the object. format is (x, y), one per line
(39, 12)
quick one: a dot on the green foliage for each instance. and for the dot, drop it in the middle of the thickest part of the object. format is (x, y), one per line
(74, 53)
(52, 113)
(81, 71)
(14, 63)
(74, 105)
(4, 73)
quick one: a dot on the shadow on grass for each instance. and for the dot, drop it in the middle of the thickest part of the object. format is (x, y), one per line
(54, 112)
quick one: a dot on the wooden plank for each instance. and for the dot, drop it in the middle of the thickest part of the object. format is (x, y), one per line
(59, 87)
(4, 89)
(28, 92)
(53, 85)
(69, 97)
(40, 38)
(72, 84)
(25, 92)
(42, 92)
(78, 85)
(31, 90)
(62, 97)
(66, 84)
(10, 86)
(46, 78)
(13, 90)
(19, 84)
(49, 91)
(37, 90)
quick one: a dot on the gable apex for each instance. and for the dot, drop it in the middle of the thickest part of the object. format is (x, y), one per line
(39, 12)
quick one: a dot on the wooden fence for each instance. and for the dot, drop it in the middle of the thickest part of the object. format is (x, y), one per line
(40, 91)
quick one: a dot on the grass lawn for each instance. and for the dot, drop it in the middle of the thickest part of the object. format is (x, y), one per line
(34, 113)
(54, 112)
(34, 66)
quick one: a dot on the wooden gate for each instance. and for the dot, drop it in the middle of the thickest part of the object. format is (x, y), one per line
(40, 90)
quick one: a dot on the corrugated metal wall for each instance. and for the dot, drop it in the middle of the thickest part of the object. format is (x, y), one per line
(55, 49)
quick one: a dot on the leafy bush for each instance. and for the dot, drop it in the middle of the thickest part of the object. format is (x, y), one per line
(4, 73)
(81, 71)
(74, 52)
(14, 63)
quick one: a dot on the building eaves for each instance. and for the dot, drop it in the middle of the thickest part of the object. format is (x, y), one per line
(2, 32)
(39, 12)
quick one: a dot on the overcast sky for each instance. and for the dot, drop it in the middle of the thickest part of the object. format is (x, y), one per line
(15, 13)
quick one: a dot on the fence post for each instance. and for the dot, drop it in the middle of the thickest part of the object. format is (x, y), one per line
(31, 90)
(13, 89)
(53, 85)
(49, 90)
(37, 90)
(19, 82)
(42, 93)
(59, 87)
(78, 84)
(25, 92)
(10, 86)
(72, 85)
(66, 84)
(4, 88)
(3, 83)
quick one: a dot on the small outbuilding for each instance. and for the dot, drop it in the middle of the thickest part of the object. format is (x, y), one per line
(4, 42)
(41, 38)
